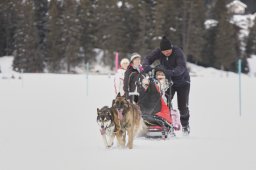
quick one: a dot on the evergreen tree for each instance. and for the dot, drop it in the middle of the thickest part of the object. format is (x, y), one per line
(226, 43)
(219, 8)
(208, 57)
(54, 37)
(101, 21)
(66, 33)
(251, 5)
(251, 43)
(2, 30)
(114, 29)
(71, 35)
(8, 22)
(89, 25)
(124, 28)
(193, 29)
(102, 8)
(26, 39)
(146, 37)
(168, 21)
(183, 23)
(132, 26)
(40, 12)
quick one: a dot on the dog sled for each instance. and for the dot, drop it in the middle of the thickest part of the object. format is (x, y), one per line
(161, 120)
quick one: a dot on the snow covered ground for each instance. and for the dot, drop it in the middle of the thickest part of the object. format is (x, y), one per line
(48, 122)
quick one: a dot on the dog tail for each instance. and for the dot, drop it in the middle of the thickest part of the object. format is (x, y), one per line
(142, 130)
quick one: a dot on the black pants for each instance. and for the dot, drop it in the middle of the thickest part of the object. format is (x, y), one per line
(182, 99)
(134, 98)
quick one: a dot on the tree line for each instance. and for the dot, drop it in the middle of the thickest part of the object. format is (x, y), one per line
(58, 35)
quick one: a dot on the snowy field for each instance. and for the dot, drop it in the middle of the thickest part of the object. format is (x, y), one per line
(48, 122)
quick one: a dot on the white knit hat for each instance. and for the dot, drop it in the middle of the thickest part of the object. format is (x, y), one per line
(135, 55)
(124, 60)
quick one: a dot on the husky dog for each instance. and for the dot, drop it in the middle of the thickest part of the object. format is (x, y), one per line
(127, 118)
(105, 120)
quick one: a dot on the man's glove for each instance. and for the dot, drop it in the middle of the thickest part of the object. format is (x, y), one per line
(147, 69)
(155, 64)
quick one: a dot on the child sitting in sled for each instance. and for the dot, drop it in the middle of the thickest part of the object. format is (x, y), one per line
(162, 84)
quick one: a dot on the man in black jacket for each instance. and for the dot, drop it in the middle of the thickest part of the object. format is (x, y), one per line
(173, 60)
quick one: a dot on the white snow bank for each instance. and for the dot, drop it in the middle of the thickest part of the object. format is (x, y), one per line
(252, 65)
(199, 71)
(6, 70)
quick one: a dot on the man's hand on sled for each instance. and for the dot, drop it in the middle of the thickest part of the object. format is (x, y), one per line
(145, 82)
(155, 64)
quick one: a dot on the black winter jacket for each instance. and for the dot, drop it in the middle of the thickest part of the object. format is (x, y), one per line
(175, 65)
(130, 77)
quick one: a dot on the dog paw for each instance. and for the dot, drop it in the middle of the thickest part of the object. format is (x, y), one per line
(108, 147)
(121, 146)
(130, 146)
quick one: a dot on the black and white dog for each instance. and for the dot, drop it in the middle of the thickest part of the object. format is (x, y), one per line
(105, 120)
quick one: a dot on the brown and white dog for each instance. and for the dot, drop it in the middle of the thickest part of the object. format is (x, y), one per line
(127, 118)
